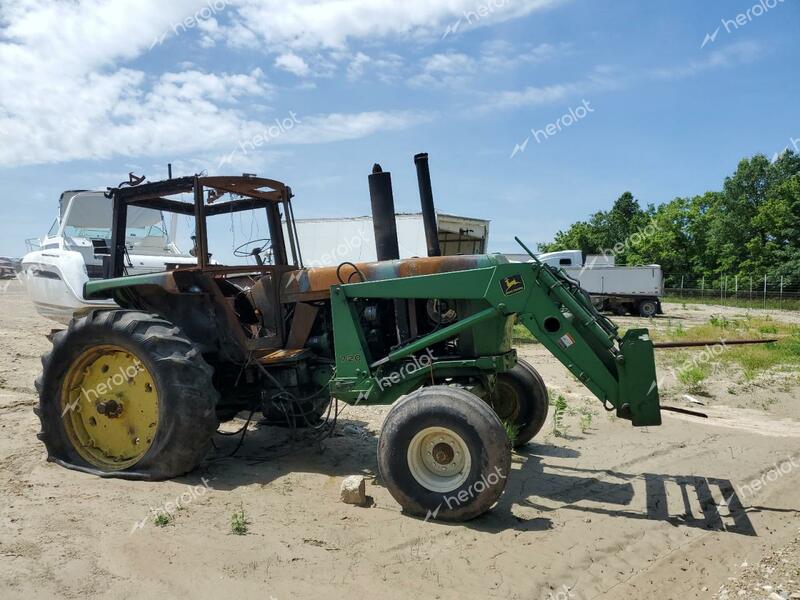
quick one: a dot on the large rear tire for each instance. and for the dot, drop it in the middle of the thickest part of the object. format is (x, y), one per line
(521, 400)
(125, 394)
(443, 454)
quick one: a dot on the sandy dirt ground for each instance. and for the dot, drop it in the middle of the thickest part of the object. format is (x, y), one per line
(602, 511)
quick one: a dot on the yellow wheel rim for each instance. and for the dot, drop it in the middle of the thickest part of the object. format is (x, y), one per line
(109, 404)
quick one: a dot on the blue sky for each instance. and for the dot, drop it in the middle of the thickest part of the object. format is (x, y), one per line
(92, 90)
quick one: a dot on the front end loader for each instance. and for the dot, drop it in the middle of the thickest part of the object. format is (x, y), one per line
(138, 392)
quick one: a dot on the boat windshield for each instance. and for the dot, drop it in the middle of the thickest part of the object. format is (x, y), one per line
(90, 217)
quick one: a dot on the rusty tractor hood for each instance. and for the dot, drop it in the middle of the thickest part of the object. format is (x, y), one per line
(313, 284)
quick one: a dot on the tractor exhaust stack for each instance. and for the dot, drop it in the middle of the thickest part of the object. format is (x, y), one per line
(383, 219)
(387, 245)
(428, 208)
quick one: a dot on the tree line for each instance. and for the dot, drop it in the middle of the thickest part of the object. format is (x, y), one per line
(751, 227)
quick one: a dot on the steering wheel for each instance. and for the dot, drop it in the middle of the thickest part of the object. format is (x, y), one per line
(256, 251)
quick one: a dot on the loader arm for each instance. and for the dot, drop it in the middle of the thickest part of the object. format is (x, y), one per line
(618, 371)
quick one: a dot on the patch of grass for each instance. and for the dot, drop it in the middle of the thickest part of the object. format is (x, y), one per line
(587, 416)
(512, 431)
(693, 376)
(720, 322)
(163, 518)
(239, 522)
(560, 407)
(753, 359)
(522, 335)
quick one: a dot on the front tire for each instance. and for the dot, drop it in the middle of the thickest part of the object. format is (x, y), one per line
(521, 400)
(126, 394)
(443, 454)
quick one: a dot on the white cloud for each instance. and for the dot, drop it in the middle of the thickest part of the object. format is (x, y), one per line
(500, 54)
(356, 67)
(604, 78)
(70, 92)
(386, 66)
(534, 95)
(316, 129)
(340, 126)
(448, 70)
(456, 69)
(304, 25)
(736, 54)
(293, 63)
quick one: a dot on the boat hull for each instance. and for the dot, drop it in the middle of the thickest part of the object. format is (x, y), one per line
(54, 281)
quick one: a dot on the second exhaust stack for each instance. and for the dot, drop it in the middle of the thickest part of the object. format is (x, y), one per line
(428, 208)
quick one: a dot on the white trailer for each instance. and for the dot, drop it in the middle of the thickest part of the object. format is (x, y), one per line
(634, 290)
(332, 241)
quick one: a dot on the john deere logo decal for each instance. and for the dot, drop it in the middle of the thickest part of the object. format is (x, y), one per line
(512, 285)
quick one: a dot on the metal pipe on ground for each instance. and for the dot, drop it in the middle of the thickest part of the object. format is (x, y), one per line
(713, 343)
(428, 208)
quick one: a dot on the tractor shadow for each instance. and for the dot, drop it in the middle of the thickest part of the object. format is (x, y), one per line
(698, 502)
(269, 453)
(612, 493)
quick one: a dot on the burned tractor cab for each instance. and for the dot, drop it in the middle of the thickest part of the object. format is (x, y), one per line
(233, 311)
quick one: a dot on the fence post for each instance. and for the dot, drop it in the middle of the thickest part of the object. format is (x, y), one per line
(780, 302)
(736, 288)
(682, 276)
(703, 288)
(751, 288)
(765, 291)
(722, 290)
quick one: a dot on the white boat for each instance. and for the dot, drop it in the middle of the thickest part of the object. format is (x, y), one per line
(56, 267)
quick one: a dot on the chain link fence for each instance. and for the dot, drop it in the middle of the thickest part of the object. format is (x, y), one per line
(757, 291)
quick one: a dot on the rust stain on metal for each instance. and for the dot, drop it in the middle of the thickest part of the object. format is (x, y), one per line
(315, 284)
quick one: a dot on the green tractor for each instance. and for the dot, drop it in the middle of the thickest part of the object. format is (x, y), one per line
(139, 392)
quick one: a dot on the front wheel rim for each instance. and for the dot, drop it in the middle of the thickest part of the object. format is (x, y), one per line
(439, 459)
(110, 407)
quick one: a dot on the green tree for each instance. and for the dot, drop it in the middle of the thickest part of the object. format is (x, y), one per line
(751, 227)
